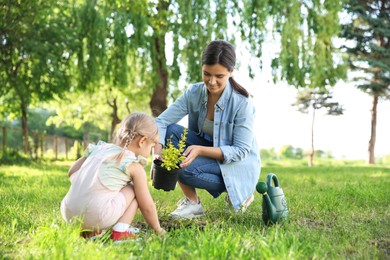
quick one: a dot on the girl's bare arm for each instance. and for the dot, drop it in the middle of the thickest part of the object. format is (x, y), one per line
(76, 165)
(144, 199)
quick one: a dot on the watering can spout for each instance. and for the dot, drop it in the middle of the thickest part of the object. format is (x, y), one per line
(274, 205)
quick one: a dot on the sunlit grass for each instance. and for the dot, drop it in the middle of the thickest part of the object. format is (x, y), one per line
(336, 211)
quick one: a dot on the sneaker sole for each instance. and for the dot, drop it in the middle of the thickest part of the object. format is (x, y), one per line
(116, 242)
(186, 216)
(247, 203)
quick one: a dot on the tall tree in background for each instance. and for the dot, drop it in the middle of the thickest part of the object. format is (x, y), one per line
(305, 30)
(112, 46)
(369, 53)
(188, 26)
(310, 100)
(307, 58)
(34, 56)
(110, 66)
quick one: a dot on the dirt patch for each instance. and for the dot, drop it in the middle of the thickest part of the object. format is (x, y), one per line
(172, 224)
(383, 245)
(311, 223)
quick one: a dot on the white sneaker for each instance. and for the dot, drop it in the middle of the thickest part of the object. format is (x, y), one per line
(243, 207)
(246, 203)
(186, 208)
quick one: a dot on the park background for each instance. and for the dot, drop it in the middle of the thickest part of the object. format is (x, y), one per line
(70, 70)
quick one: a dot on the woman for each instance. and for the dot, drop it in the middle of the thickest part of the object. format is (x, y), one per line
(221, 153)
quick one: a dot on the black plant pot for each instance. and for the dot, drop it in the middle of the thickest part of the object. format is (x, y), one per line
(164, 179)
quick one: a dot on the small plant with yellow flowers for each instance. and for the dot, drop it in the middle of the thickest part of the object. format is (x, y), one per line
(172, 156)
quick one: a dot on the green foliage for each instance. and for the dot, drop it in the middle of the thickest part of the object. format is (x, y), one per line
(324, 154)
(268, 154)
(171, 155)
(368, 35)
(35, 56)
(384, 160)
(335, 212)
(307, 56)
(317, 99)
(11, 157)
(290, 152)
(36, 46)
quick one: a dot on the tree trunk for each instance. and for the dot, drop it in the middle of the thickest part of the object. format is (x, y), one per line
(25, 128)
(56, 146)
(114, 117)
(4, 138)
(35, 136)
(66, 148)
(158, 101)
(41, 139)
(371, 143)
(311, 153)
(78, 149)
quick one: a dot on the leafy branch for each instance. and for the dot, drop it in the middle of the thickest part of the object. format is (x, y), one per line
(171, 155)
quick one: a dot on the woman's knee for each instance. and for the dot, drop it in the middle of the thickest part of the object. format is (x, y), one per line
(186, 177)
(174, 132)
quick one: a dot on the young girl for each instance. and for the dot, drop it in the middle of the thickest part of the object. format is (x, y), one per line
(109, 183)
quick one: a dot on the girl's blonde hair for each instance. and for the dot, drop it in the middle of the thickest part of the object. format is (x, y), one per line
(135, 124)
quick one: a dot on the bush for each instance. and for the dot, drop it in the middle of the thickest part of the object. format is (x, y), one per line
(14, 157)
(385, 160)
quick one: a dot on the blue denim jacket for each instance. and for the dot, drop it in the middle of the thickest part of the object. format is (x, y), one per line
(233, 132)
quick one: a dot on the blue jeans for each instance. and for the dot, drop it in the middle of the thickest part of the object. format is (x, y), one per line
(203, 172)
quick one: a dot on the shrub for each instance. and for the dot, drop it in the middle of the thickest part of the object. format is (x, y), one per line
(171, 155)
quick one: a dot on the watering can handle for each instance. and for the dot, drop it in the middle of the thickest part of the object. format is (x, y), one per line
(273, 177)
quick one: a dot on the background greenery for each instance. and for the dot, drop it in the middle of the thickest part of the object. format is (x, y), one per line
(88, 63)
(338, 210)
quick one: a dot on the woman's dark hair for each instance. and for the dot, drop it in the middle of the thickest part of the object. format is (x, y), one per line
(223, 53)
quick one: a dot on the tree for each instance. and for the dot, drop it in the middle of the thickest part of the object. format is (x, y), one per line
(138, 30)
(36, 48)
(268, 154)
(368, 34)
(307, 56)
(310, 100)
(189, 26)
(107, 55)
(113, 46)
(287, 152)
(290, 152)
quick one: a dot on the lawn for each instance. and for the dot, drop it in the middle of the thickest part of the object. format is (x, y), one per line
(336, 212)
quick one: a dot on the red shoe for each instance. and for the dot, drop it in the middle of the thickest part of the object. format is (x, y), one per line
(126, 235)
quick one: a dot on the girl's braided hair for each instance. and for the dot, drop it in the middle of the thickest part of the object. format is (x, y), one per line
(135, 124)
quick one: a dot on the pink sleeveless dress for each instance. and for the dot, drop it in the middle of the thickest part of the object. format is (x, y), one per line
(94, 196)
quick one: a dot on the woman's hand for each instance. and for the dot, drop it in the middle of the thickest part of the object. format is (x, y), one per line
(191, 153)
(197, 150)
(161, 232)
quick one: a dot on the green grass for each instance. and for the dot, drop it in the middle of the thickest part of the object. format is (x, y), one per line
(337, 211)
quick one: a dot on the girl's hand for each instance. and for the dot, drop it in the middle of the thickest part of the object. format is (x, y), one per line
(151, 173)
(156, 154)
(191, 153)
(161, 232)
